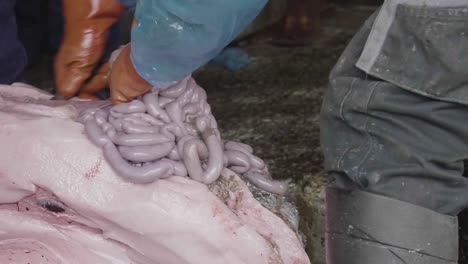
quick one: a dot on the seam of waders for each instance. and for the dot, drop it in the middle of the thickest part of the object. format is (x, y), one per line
(341, 114)
(370, 139)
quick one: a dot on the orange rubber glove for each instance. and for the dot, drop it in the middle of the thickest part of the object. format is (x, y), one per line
(124, 81)
(87, 24)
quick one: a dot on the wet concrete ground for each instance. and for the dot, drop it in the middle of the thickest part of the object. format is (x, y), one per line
(274, 105)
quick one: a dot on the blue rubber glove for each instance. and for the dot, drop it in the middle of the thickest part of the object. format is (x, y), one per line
(233, 59)
(173, 38)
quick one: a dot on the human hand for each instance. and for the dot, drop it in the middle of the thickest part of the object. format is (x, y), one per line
(87, 25)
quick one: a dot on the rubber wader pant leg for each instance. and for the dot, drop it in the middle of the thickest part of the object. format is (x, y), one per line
(395, 162)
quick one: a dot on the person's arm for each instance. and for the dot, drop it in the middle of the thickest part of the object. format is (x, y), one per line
(174, 38)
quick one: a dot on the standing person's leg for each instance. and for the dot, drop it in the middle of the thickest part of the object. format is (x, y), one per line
(394, 145)
(301, 23)
(12, 54)
(303, 17)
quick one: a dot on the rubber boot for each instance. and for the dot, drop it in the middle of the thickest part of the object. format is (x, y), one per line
(364, 228)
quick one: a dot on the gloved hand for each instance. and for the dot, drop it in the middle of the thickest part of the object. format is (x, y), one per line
(87, 24)
(124, 81)
(170, 41)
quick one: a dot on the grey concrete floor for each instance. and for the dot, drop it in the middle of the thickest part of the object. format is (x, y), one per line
(274, 105)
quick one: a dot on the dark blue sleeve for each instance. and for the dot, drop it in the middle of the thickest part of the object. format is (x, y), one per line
(13, 58)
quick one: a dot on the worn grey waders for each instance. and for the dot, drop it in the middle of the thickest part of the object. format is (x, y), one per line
(394, 133)
(364, 228)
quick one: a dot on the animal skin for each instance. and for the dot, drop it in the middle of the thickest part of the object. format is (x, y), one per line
(61, 202)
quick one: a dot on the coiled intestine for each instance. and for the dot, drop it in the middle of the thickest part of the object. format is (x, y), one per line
(172, 132)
